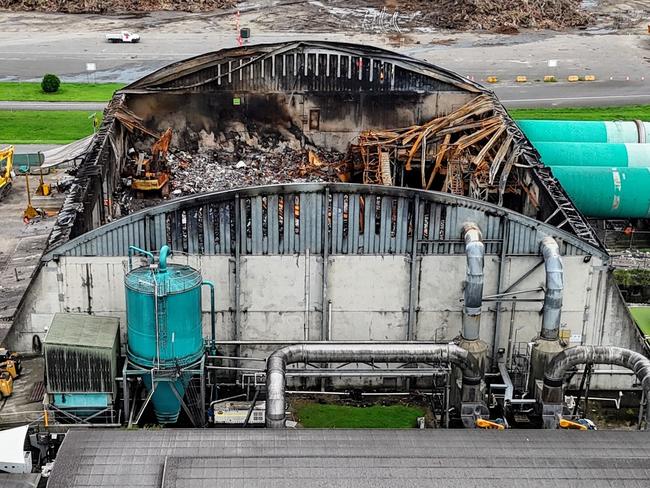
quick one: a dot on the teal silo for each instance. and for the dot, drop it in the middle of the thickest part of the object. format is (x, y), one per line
(607, 193)
(585, 131)
(610, 155)
(164, 329)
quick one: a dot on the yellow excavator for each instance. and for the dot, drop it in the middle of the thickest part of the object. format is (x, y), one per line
(6, 170)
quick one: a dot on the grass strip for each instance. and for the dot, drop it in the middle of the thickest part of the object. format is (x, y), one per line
(626, 112)
(44, 127)
(68, 92)
(328, 416)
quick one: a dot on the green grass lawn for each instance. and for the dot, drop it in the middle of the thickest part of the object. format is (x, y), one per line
(44, 127)
(642, 317)
(627, 112)
(315, 415)
(68, 92)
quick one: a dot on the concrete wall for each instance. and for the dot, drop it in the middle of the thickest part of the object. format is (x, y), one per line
(369, 298)
(341, 119)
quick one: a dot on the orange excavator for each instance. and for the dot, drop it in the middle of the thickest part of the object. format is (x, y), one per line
(152, 174)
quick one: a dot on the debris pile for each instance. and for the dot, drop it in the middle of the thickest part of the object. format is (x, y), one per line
(240, 156)
(113, 6)
(501, 15)
(467, 152)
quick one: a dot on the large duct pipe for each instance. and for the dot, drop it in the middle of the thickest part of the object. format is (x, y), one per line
(475, 251)
(553, 392)
(554, 287)
(548, 344)
(277, 362)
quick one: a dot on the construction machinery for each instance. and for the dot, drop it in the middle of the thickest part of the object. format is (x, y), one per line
(151, 174)
(6, 384)
(6, 170)
(10, 362)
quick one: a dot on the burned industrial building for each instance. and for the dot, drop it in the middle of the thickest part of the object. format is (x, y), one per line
(353, 217)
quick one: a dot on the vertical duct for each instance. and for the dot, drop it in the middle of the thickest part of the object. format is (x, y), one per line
(554, 287)
(475, 252)
(548, 344)
(473, 295)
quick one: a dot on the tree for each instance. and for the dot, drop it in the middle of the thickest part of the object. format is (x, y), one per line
(50, 83)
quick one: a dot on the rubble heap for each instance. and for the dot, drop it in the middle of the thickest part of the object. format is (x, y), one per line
(238, 157)
(501, 15)
(113, 6)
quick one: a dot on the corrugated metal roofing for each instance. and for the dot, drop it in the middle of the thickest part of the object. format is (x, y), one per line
(75, 329)
(352, 458)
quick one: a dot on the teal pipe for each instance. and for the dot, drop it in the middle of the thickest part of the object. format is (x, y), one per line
(607, 193)
(213, 324)
(162, 259)
(585, 131)
(594, 154)
(133, 250)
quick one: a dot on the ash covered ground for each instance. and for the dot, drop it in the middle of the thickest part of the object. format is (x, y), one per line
(240, 156)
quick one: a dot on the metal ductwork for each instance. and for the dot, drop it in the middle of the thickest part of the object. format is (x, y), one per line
(553, 392)
(554, 287)
(475, 251)
(472, 402)
(548, 343)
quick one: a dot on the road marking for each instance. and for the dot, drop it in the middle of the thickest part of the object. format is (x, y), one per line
(575, 98)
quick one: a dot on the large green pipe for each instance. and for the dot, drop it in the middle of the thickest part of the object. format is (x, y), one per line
(585, 131)
(607, 193)
(594, 154)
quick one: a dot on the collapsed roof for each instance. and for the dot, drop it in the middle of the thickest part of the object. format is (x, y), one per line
(395, 120)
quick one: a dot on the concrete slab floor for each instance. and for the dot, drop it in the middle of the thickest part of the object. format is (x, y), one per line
(18, 409)
(21, 244)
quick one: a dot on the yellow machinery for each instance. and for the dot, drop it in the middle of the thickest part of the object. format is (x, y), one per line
(10, 362)
(12, 367)
(6, 170)
(489, 424)
(580, 424)
(152, 174)
(6, 384)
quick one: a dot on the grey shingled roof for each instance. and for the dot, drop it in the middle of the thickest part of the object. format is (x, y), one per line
(77, 329)
(228, 458)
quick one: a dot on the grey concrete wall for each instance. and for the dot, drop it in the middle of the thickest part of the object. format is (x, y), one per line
(369, 298)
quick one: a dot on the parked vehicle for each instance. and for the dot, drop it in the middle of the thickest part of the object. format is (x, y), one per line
(123, 36)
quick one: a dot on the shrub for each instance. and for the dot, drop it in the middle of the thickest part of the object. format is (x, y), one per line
(50, 83)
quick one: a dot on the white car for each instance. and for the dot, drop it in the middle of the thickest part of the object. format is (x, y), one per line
(123, 36)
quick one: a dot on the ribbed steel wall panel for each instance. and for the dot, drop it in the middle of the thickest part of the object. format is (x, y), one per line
(307, 70)
(288, 219)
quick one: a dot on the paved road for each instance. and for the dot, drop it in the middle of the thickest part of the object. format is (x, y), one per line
(532, 94)
(580, 94)
(84, 106)
(36, 43)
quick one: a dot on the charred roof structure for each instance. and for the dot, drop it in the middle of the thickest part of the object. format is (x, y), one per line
(394, 120)
(330, 192)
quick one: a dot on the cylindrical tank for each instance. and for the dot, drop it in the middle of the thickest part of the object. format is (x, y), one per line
(594, 154)
(585, 131)
(164, 328)
(607, 192)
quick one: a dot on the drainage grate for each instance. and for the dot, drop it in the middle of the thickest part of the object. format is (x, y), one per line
(38, 392)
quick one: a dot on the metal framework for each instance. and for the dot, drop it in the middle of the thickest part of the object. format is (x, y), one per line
(290, 67)
(131, 370)
(324, 219)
